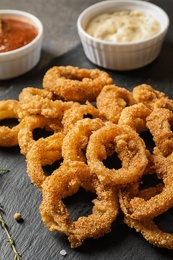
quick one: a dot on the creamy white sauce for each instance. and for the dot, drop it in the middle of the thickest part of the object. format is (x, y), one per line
(123, 26)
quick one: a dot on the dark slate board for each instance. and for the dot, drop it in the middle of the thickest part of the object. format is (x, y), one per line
(32, 239)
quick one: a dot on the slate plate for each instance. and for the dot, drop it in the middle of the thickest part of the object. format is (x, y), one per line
(17, 194)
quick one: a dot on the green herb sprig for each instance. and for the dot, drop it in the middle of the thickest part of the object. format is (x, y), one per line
(4, 170)
(10, 240)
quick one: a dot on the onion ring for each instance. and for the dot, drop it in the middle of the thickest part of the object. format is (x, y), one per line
(151, 232)
(112, 100)
(10, 109)
(136, 207)
(76, 113)
(44, 151)
(129, 147)
(77, 138)
(149, 229)
(74, 84)
(66, 181)
(159, 123)
(41, 102)
(135, 117)
(29, 124)
(150, 97)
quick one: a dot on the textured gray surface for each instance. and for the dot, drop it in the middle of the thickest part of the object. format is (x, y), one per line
(61, 47)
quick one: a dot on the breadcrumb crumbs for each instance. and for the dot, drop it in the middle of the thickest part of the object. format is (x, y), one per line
(17, 216)
(63, 252)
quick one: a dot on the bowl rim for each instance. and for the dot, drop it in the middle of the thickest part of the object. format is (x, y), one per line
(25, 15)
(142, 3)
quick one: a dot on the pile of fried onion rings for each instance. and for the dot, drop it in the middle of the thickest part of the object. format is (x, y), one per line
(89, 119)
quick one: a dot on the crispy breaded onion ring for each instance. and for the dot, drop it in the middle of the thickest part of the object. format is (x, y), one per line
(66, 181)
(135, 117)
(45, 151)
(76, 140)
(30, 92)
(112, 100)
(136, 207)
(75, 84)
(151, 232)
(148, 228)
(29, 124)
(76, 113)
(41, 102)
(160, 123)
(151, 98)
(10, 109)
(128, 146)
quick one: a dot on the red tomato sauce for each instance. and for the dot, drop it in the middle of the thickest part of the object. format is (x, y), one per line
(15, 34)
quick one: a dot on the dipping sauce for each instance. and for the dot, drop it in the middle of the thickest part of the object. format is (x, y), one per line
(123, 26)
(15, 33)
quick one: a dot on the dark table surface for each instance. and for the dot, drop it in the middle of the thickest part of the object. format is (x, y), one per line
(61, 46)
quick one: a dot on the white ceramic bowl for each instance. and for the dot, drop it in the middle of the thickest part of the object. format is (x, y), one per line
(17, 62)
(122, 56)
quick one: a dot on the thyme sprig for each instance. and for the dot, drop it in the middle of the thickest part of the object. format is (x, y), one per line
(4, 170)
(10, 239)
